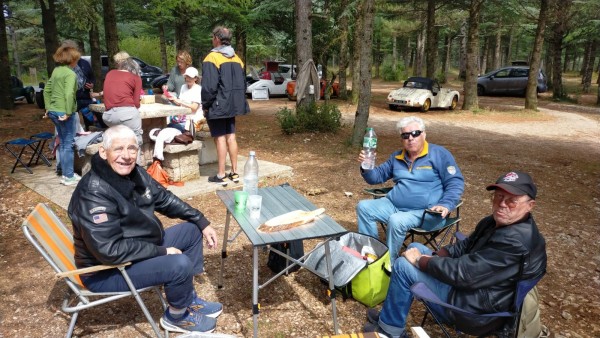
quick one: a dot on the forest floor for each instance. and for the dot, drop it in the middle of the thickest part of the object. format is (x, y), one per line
(559, 145)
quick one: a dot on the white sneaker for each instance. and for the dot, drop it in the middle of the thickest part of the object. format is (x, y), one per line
(70, 181)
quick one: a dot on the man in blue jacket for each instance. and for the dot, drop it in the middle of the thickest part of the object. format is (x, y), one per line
(223, 98)
(425, 176)
(477, 274)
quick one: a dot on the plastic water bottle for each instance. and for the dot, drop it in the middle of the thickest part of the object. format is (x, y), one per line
(369, 146)
(251, 175)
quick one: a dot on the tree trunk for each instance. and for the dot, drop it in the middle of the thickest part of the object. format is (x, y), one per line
(95, 55)
(588, 67)
(304, 42)
(394, 51)
(484, 55)
(50, 32)
(182, 28)
(356, 50)
(6, 101)
(240, 44)
(366, 59)
(378, 57)
(561, 12)
(420, 53)
(110, 30)
(163, 47)
(447, 55)
(343, 52)
(431, 54)
(462, 53)
(536, 58)
(498, 46)
(509, 49)
(470, 86)
(406, 55)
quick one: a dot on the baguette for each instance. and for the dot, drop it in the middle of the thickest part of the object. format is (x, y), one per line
(290, 220)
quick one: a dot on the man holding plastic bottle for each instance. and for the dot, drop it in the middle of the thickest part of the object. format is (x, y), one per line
(425, 176)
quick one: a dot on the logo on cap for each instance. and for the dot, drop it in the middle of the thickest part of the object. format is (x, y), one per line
(511, 177)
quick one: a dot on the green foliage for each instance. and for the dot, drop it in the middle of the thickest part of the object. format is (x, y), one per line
(147, 49)
(324, 117)
(388, 73)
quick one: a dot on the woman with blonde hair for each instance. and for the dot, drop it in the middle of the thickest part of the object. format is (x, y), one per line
(176, 79)
(61, 107)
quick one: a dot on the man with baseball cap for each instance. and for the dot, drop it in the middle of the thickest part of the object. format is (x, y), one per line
(477, 274)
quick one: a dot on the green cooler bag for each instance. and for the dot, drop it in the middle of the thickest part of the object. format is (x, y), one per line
(370, 286)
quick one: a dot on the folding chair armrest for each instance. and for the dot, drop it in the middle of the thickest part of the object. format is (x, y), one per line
(377, 192)
(90, 269)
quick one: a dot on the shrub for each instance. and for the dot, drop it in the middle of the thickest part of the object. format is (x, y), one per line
(388, 73)
(324, 117)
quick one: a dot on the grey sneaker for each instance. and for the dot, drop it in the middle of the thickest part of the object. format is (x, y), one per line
(190, 322)
(70, 180)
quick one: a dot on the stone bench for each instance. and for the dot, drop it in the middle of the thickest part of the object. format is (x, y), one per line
(181, 161)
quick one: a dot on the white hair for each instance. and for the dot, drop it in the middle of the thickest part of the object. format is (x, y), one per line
(116, 132)
(404, 122)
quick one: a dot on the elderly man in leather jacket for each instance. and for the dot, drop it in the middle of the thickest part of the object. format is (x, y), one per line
(478, 273)
(113, 215)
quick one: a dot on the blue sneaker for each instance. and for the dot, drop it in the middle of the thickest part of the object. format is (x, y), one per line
(209, 309)
(190, 322)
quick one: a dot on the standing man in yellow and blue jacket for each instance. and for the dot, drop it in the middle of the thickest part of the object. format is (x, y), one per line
(425, 176)
(223, 98)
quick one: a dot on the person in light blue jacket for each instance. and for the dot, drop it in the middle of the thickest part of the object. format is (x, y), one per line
(425, 176)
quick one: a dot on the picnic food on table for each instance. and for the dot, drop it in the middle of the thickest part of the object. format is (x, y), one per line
(290, 220)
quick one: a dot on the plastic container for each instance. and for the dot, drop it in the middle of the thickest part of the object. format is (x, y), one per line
(250, 178)
(369, 147)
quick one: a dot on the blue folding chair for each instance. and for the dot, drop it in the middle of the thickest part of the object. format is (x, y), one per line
(24, 144)
(510, 328)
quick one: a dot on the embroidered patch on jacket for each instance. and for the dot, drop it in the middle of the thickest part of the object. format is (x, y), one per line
(424, 167)
(147, 194)
(96, 209)
(511, 177)
(451, 169)
(100, 218)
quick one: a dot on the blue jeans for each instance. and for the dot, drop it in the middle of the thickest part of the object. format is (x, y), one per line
(66, 135)
(369, 212)
(175, 272)
(399, 298)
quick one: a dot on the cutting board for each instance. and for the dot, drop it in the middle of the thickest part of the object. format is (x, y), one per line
(290, 220)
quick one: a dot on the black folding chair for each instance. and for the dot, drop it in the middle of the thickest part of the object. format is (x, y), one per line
(430, 237)
(510, 328)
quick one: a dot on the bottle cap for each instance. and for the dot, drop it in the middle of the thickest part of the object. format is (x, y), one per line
(252, 153)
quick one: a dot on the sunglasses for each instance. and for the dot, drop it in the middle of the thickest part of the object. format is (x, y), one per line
(414, 134)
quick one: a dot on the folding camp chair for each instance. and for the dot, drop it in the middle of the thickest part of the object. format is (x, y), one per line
(26, 144)
(430, 237)
(55, 243)
(511, 327)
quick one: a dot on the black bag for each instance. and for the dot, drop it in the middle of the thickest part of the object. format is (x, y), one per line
(277, 263)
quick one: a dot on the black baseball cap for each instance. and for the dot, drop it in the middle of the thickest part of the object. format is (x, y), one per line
(516, 183)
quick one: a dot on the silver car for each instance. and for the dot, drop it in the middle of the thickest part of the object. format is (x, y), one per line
(509, 80)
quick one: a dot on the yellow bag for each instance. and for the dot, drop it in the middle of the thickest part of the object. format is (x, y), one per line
(370, 286)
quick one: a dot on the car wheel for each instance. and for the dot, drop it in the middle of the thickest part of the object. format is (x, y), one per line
(291, 97)
(454, 103)
(30, 97)
(425, 106)
(480, 91)
(392, 107)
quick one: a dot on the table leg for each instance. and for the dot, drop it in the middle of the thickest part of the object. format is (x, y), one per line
(224, 248)
(331, 286)
(255, 305)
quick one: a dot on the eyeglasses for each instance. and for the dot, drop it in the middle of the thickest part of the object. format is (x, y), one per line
(414, 134)
(511, 202)
(132, 150)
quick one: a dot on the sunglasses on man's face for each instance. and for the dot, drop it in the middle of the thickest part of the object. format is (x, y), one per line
(414, 134)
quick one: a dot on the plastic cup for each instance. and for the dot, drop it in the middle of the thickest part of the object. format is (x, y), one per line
(240, 197)
(254, 204)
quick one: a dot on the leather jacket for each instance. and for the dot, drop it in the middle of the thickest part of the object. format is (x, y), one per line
(483, 269)
(114, 217)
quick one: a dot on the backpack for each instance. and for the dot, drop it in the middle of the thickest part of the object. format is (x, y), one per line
(278, 263)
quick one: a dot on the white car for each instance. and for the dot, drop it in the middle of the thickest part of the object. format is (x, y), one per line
(273, 82)
(423, 93)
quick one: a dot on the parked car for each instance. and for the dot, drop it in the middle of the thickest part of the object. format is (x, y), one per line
(20, 92)
(335, 89)
(509, 80)
(272, 81)
(147, 72)
(158, 82)
(422, 93)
